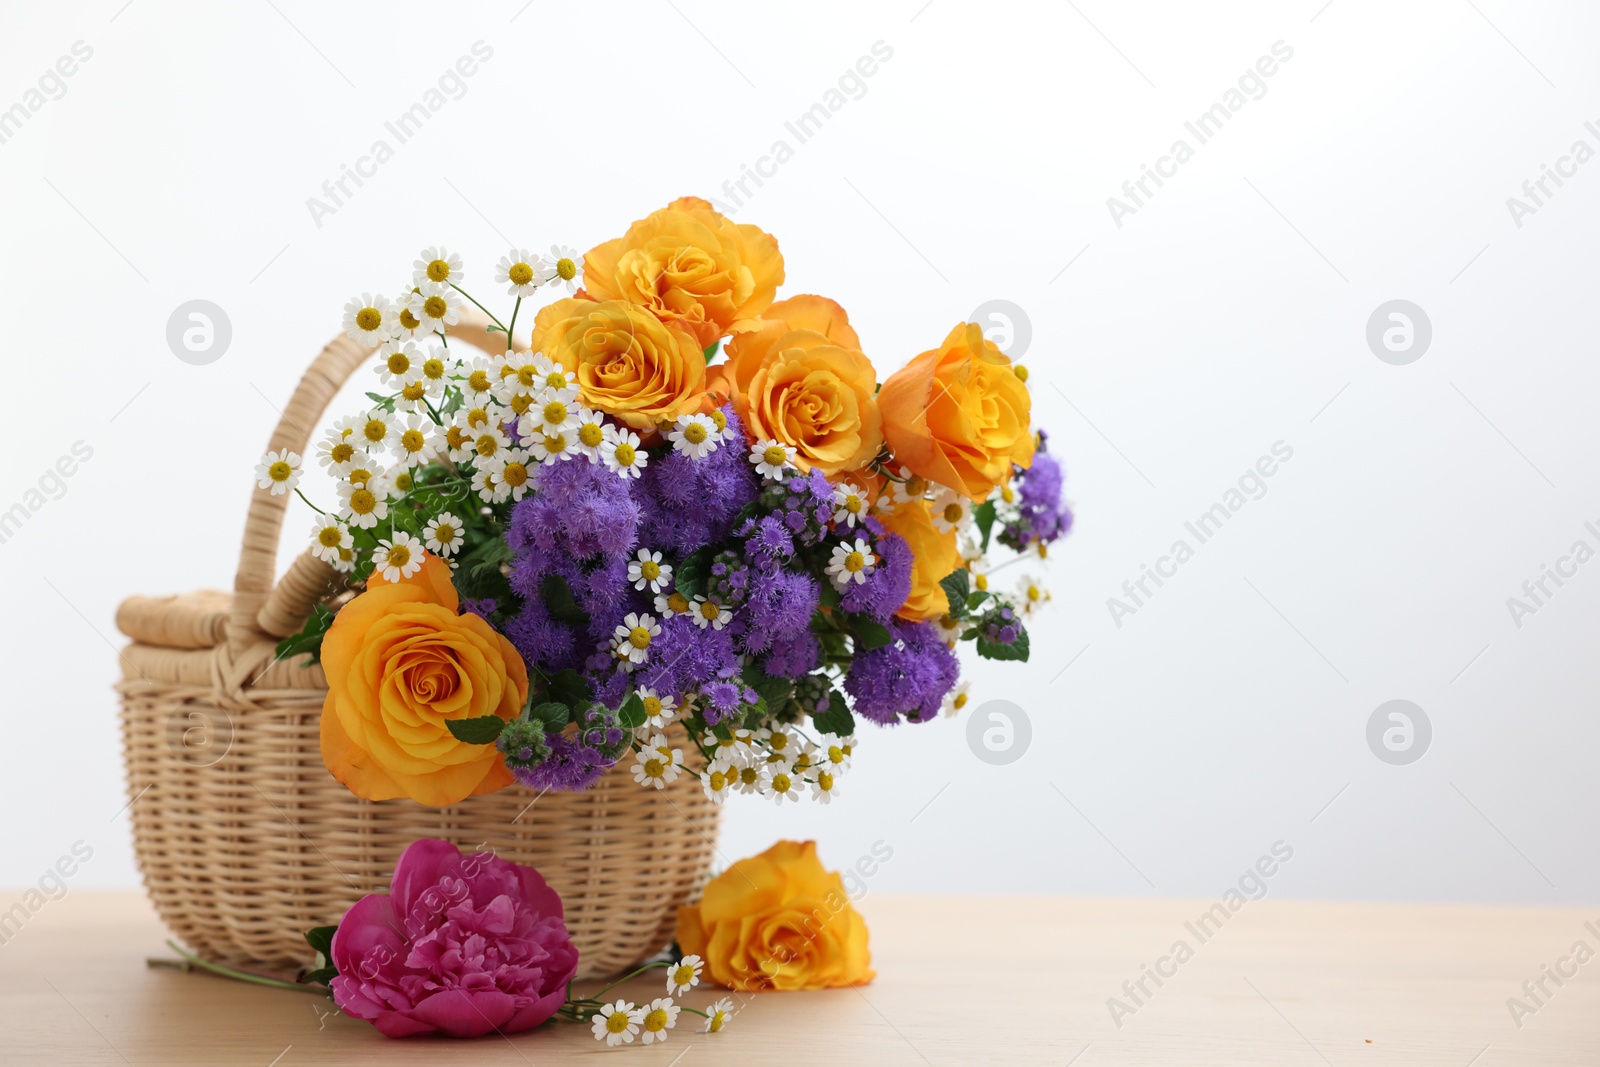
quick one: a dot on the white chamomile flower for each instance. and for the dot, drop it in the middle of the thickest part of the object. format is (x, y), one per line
(520, 372)
(957, 698)
(413, 443)
(476, 418)
(478, 379)
(406, 326)
(718, 1012)
(950, 629)
(617, 1023)
(515, 475)
(518, 270)
(684, 975)
(833, 753)
(952, 512)
(908, 487)
(549, 417)
(553, 447)
(709, 613)
(438, 266)
(279, 471)
(590, 432)
(747, 779)
(397, 363)
(851, 562)
(670, 604)
(435, 306)
(555, 381)
(565, 268)
(1031, 594)
(346, 561)
(396, 481)
(1040, 550)
(772, 459)
(849, 504)
(453, 441)
(443, 535)
(648, 569)
(779, 783)
(368, 319)
(658, 710)
(719, 418)
(695, 435)
(718, 780)
(633, 636)
(328, 538)
(824, 786)
(435, 371)
(660, 1015)
(487, 484)
(378, 430)
(654, 769)
(489, 444)
(346, 427)
(621, 452)
(399, 558)
(337, 453)
(413, 394)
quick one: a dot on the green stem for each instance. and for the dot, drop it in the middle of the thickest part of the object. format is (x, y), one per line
(624, 978)
(309, 504)
(514, 309)
(485, 310)
(241, 976)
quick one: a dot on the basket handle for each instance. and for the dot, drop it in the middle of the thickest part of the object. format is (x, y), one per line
(255, 595)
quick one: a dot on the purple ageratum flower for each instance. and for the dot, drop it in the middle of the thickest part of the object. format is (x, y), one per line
(572, 767)
(886, 588)
(768, 543)
(803, 503)
(691, 502)
(1041, 516)
(683, 657)
(723, 700)
(581, 510)
(482, 608)
(793, 657)
(906, 678)
(780, 606)
(545, 644)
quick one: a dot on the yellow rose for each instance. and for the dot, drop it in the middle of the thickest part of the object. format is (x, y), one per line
(689, 266)
(958, 414)
(400, 663)
(628, 363)
(778, 921)
(803, 380)
(933, 556)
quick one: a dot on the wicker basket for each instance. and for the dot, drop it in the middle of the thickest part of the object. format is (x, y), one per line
(245, 839)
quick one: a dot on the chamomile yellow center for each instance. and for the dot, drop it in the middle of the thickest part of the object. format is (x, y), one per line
(749, 775)
(915, 486)
(835, 754)
(399, 362)
(781, 782)
(652, 706)
(1034, 592)
(375, 430)
(360, 476)
(362, 501)
(639, 637)
(455, 437)
(413, 441)
(433, 369)
(617, 1022)
(654, 768)
(566, 270)
(521, 403)
(718, 1017)
(854, 562)
(445, 534)
(515, 474)
(720, 419)
(330, 537)
(555, 443)
(626, 454)
(479, 381)
(853, 504)
(825, 780)
(414, 391)
(982, 582)
(402, 481)
(649, 570)
(556, 379)
(959, 702)
(952, 512)
(656, 1020)
(591, 434)
(1021, 372)
(678, 603)
(694, 433)
(369, 319)
(438, 271)
(408, 320)
(774, 455)
(487, 445)
(719, 782)
(342, 452)
(280, 471)
(434, 307)
(709, 610)
(399, 556)
(527, 374)
(555, 412)
(520, 274)
(478, 417)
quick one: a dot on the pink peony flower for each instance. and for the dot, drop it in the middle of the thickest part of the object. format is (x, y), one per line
(461, 945)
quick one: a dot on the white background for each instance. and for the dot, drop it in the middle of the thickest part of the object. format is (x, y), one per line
(1227, 314)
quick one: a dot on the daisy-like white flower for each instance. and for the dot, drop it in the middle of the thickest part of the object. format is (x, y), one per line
(489, 443)
(772, 459)
(443, 535)
(487, 484)
(709, 613)
(851, 562)
(481, 416)
(565, 268)
(621, 452)
(1032, 594)
(748, 779)
(279, 471)
(435, 306)
(345, 427)
(413, 394)
(957, 698)
(654, 769)
(514, 473)
(633, 636)
(695, 435)
(670, 604)
(719, 418)
(779, 783)
(590, 433)
(648, 569)
(407, 327)
(368, 319)
(658, 710)
(413, 444)
(478, 379)
(952, 512)
(362, 504)
(950, 629)
(518, 271)
(548, 417)
(849, 504)
(824, 787)
(397, 363)
(337, 453)
(520, 372)
(617, 1023)
(717, 780)
(453, 441)
(378, 430)
(1040, 549)
(346, 561)
(556, 382)
(909, 487)
(328, 537)
(660, 1015)
(438, 266)
(718, 1012)
(833, 753)
(399, 558)
(684, 975)
(396, 481)
(553, 447)
(435, 370)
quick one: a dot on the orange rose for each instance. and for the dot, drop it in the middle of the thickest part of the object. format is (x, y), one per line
(795, 383)
(628, 363)
(778, 921)
(400, 662)
(958, 414)
(690, 266)
(933, 556)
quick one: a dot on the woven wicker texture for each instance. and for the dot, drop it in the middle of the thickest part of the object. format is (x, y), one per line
(244, 838)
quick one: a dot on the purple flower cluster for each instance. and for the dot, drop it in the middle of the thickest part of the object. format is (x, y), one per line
(906, 678)
(803, 503)
(887, 587)
(693, 502)
(1040, 513)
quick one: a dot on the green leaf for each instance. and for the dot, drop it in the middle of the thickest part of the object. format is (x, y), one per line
(829, 596)
(711, 349)
(480, 730)
(690, 577)
(554, 715)
(983, 515)
(956, 586)
(976, 599)
(721, 732)
(869, 634)
(837, 720)
(775, 692)
(631, 715)
(309, 640)
(569, 688)
(381, 401)
(321, 939)
(558, 601)
(320, 976)
(1016, 650)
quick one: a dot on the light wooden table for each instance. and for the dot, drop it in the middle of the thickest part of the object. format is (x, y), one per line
(961, 980)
